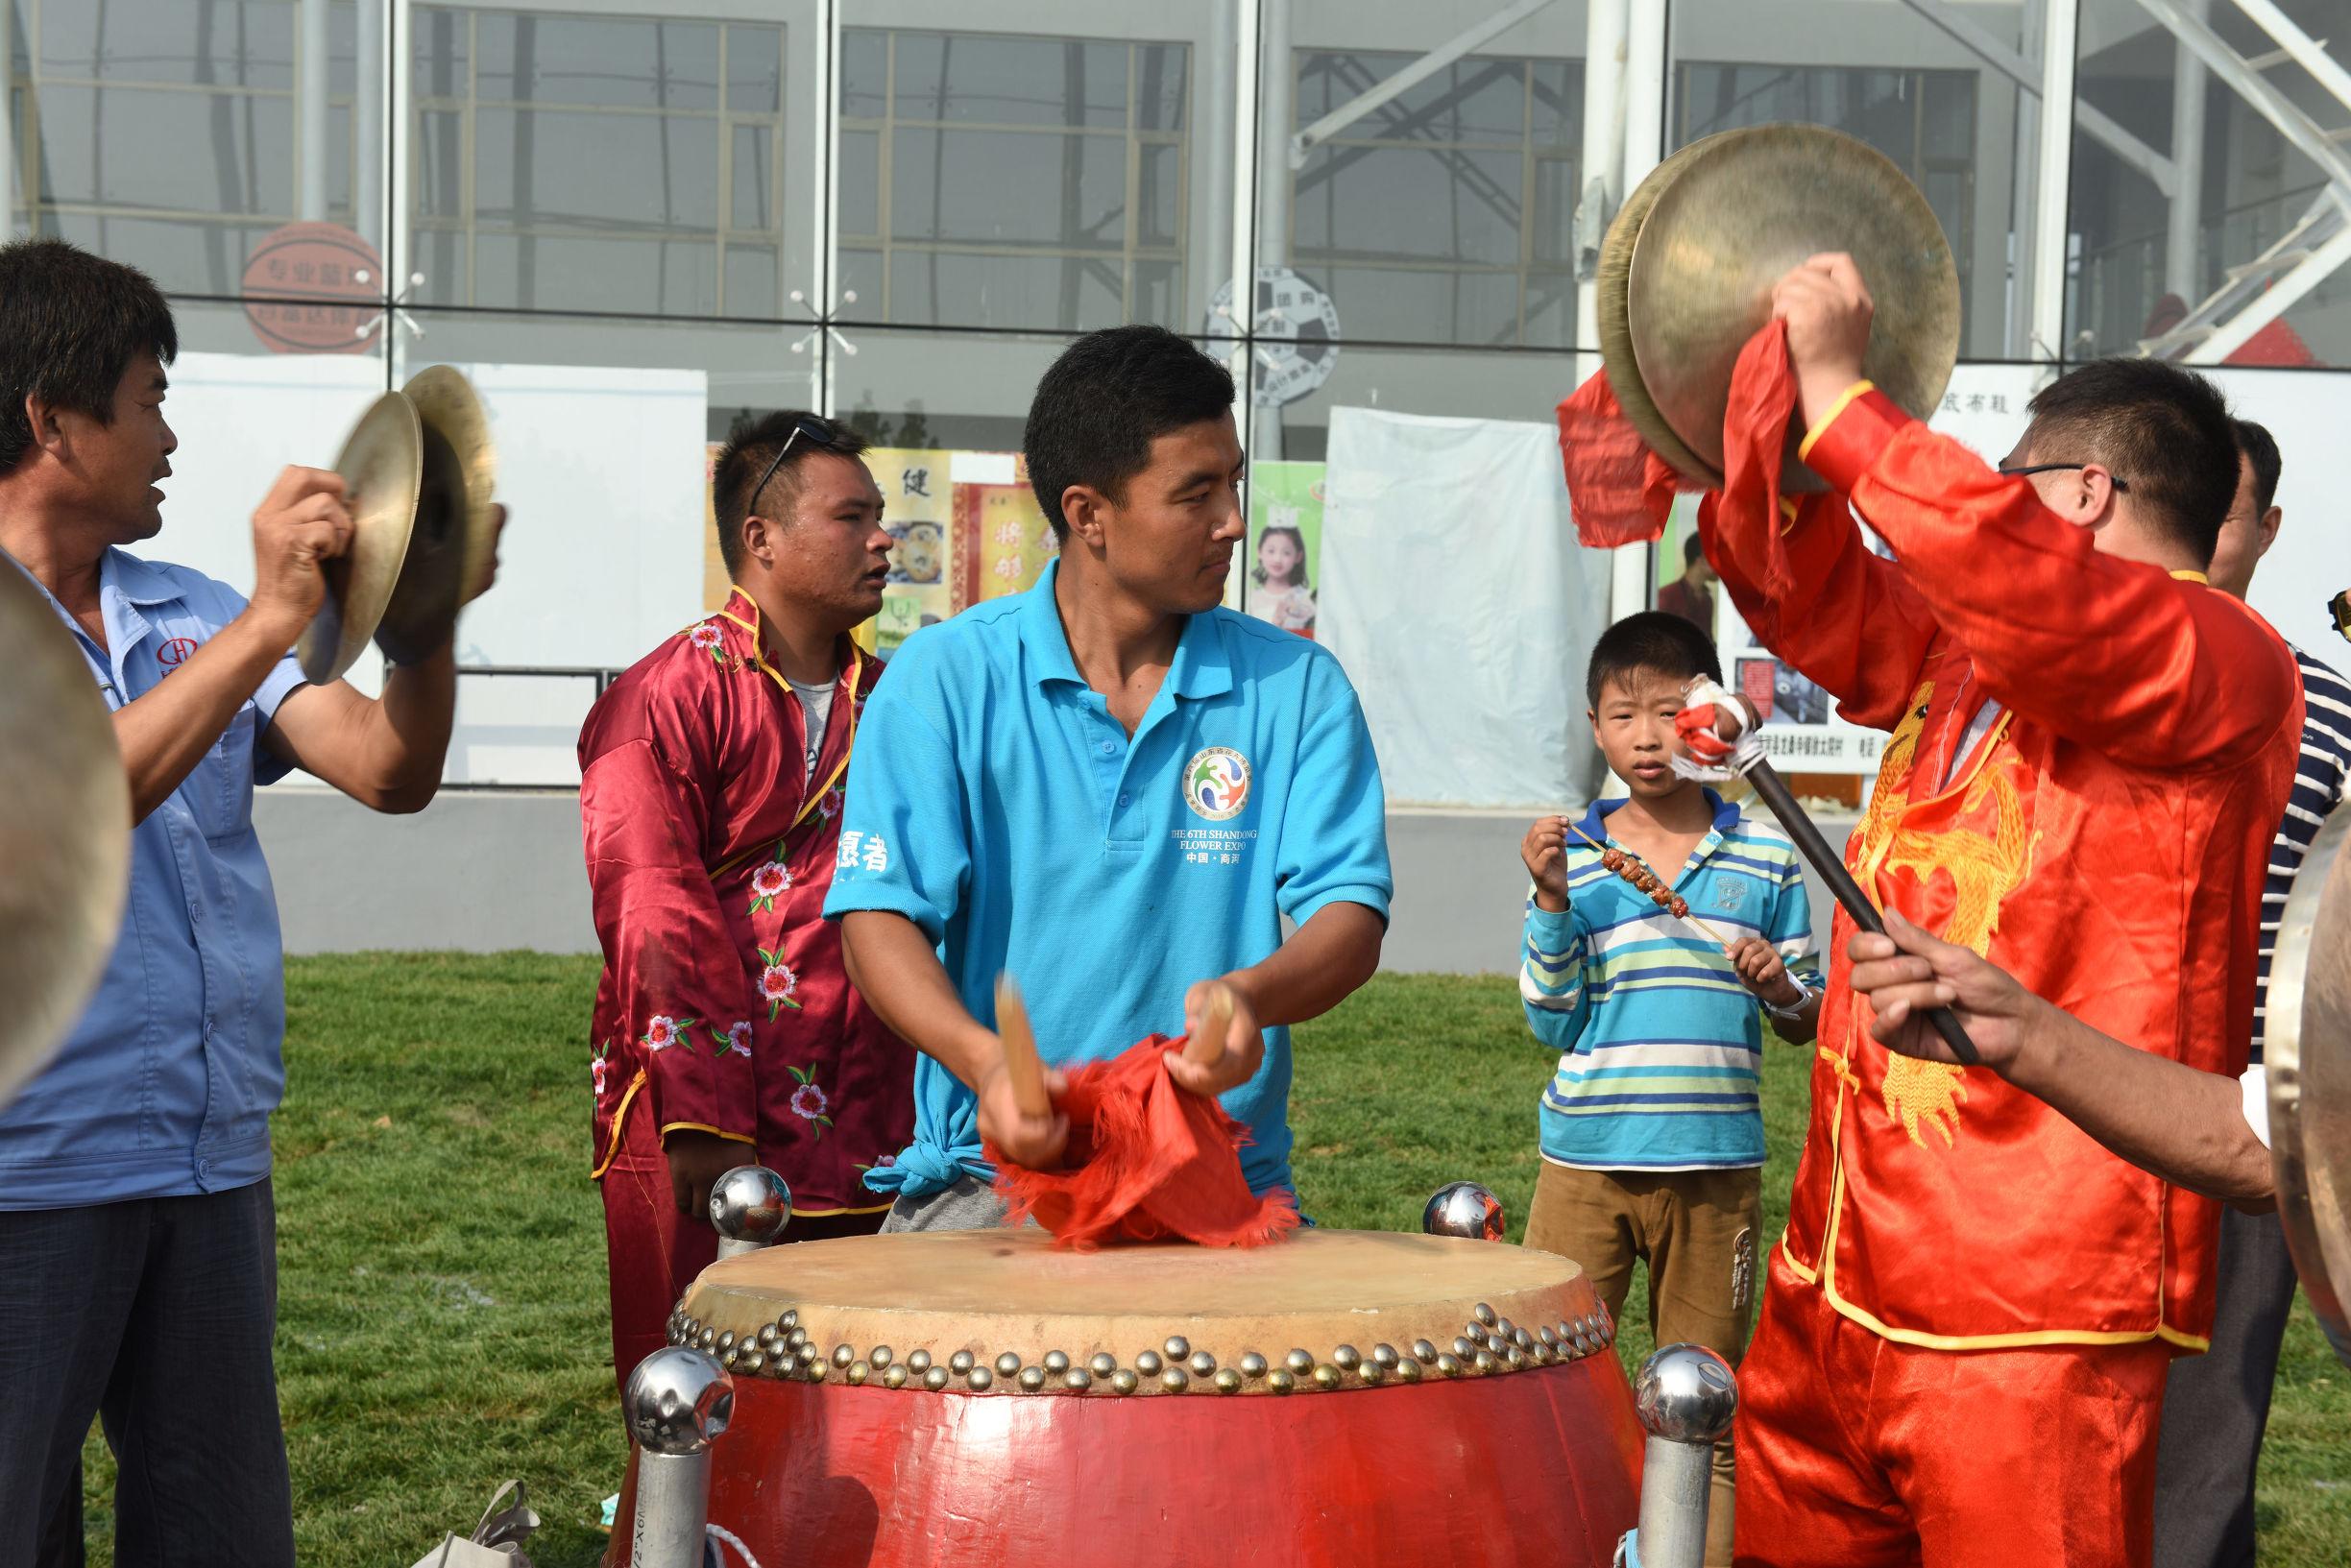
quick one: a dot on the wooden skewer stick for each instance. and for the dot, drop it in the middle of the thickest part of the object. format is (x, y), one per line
(1207, 1044)
(1022, 1064)
(1707, 932)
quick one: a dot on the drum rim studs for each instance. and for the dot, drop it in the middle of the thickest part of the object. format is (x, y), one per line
(1125, 1382)
(1280, 1380)
(1177, 1348)
(1032, 1379)
(1327, 1377)
(1485, 1315)
(858, 1371)
(1174, 1380)
(1076, 1380)
(1347, 1357)
(1008, 1364)
(1203, 1365)
(1301, 1363)
(1384, 1358)
(894, 1377)
(1227, 1381)
(1057, 1362)
(1252, 1366)
(961, 1363)
(1409, 1370)
(881, 1357)
(1148, 1363)
(934, 1378)
(918, 1362)
(1103, 1364)
(979, 1379)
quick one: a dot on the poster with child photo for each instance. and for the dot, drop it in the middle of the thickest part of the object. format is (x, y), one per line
(1285, 501)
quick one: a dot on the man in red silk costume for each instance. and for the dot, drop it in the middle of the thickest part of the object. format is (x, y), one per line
(711, 777)
(1966, 1324)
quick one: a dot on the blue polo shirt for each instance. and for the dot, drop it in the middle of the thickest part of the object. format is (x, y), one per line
(165, 1086)
(995, 802)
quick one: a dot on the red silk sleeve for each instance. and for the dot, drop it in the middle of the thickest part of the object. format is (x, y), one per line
(2112, 654)
(674, 964)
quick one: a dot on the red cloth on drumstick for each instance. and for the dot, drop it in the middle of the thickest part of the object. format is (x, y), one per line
(1147, 1161)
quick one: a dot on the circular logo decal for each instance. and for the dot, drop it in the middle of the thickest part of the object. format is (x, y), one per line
(1215, 783)
(175, 652)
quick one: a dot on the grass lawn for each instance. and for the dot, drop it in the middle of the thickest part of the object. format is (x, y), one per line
(441, 1311)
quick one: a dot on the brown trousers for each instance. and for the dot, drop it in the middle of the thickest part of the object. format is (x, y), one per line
(1700, 1233)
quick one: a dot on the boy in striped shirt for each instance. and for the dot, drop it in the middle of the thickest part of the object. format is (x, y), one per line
(1651, 1128)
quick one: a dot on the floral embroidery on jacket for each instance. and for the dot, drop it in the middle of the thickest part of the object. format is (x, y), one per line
(737, 1041)
(664, 1032)
(808, 1101)
(599, 1067)
(777, 983)
(706, 636)
(770, 882)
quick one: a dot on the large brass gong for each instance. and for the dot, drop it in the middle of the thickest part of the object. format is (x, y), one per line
(1728, 218)
(2308, 1052)
(64, 830)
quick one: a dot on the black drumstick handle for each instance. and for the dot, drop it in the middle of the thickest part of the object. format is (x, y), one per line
(1831, 865)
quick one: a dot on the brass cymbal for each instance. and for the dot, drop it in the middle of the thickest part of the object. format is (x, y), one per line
(2308, 1056)
(1614, 272)
(1749, 206)
(64, 830)
(447, 402)
(382, 462)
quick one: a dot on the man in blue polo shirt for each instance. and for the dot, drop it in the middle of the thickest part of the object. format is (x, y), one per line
(1112, 789)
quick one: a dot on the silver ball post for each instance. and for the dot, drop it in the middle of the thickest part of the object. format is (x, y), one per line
(678, 1402)
(750, 1207)
(1686, 1396)
(1463, 1209)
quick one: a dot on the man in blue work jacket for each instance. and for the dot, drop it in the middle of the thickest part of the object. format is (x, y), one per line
(1112, 788)
(138, 1276)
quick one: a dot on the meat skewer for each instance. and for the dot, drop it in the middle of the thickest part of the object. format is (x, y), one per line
(1633, 869)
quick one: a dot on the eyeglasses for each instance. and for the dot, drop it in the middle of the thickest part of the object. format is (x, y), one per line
(2121, 484)
(2340, 607)
(818, 436)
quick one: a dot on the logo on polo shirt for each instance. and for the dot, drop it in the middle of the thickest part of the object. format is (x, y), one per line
(1215, 783)
(175, 652)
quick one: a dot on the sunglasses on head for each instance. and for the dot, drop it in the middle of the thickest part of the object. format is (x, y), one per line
(2340, 607)
(2121, 484)
(804, 429)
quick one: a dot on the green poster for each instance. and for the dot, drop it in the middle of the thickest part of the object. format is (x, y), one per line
(1285, 537)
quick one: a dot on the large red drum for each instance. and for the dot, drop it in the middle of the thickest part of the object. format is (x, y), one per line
(1340, 1398)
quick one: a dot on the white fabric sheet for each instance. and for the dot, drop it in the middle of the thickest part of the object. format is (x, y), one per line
(1456, 595)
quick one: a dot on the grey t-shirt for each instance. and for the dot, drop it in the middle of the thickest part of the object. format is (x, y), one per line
(817, 706)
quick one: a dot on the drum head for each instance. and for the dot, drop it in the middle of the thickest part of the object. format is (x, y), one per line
(1349, 1306)
(2308, 1052)
(64, 830)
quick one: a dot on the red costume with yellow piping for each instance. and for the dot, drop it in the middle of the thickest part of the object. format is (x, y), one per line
(1968, 1286)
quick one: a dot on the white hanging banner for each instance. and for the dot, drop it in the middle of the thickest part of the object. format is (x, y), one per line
(1455, 594)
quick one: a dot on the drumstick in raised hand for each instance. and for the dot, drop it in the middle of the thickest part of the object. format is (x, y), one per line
(1626, 870)
(1207, 1044)
(1022, 1064)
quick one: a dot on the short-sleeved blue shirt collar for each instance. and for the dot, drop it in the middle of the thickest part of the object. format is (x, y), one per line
(1201, 669)
(1726, 817)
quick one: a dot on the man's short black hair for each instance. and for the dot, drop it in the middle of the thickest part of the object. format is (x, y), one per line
(2162, 430)
(1693, 548)
(1100, 406)
(2259, 449)
(70, 325)
(1652, 639)
(745, 457)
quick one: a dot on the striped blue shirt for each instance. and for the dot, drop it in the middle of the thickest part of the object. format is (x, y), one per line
(2317, 790)
(1659, 1043)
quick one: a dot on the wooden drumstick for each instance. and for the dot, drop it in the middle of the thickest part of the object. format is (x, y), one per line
(1022, 1064)
(1206, 1045)
(1707, 932)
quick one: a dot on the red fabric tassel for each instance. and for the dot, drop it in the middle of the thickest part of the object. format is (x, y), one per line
(1147, 1161)
(1619, 491)
(1755, 445)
